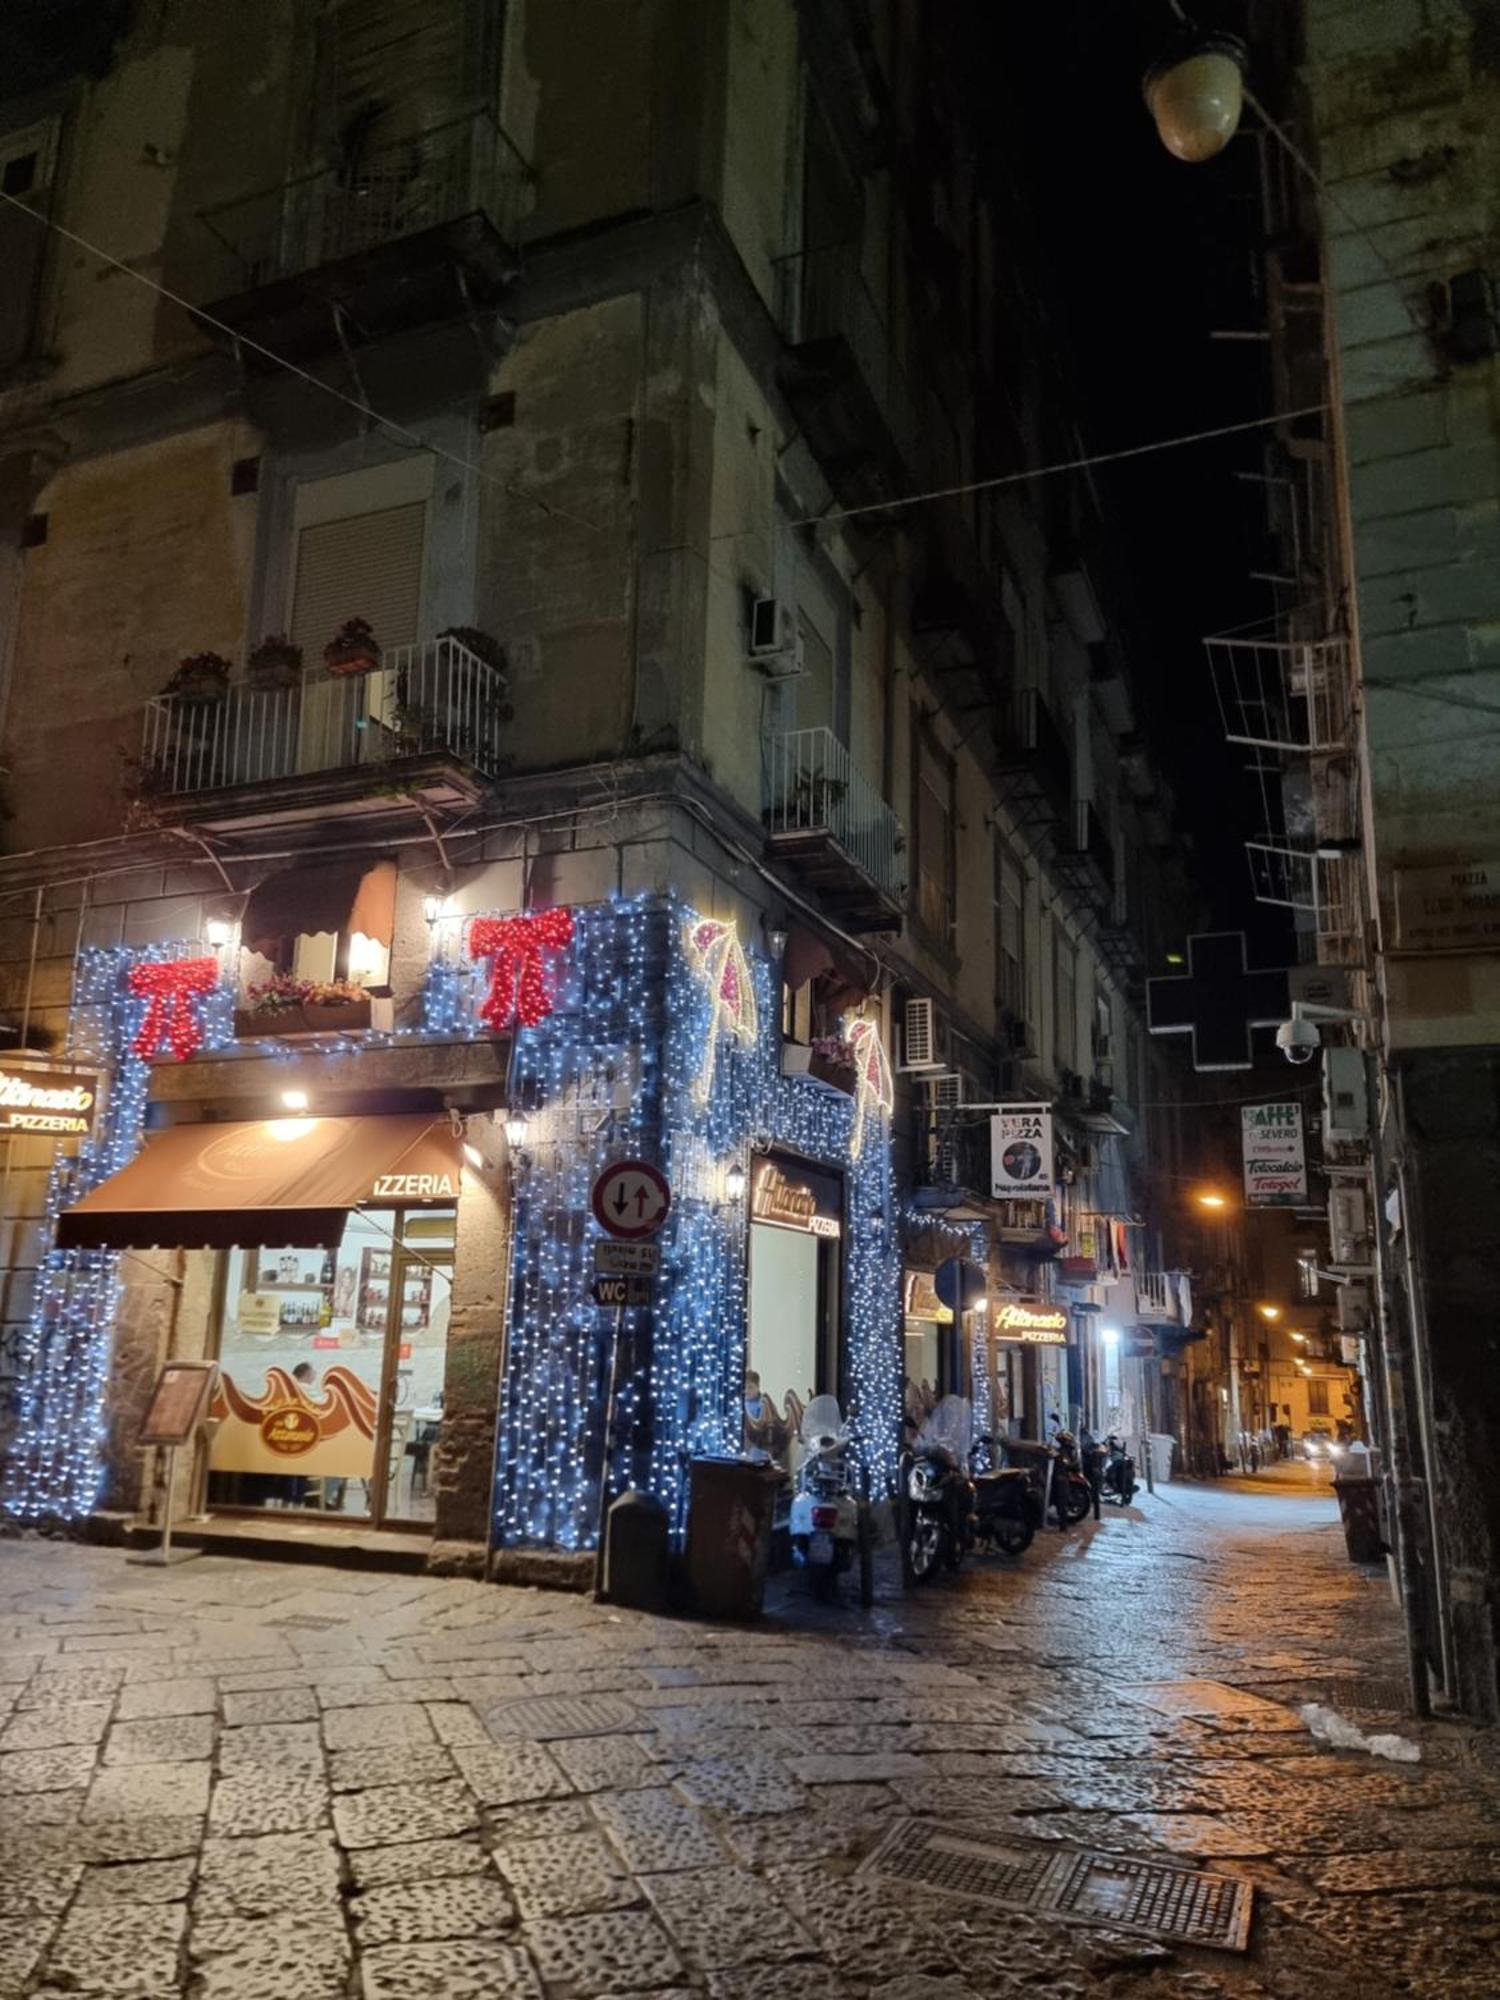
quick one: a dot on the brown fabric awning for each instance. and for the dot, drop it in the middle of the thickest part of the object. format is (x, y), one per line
(265, 1183)
(328, 896)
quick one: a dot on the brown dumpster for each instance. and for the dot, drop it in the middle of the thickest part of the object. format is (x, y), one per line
(730, 1503)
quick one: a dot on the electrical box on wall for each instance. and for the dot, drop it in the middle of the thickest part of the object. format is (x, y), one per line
(1349, 1226)
(1346, 1106)
(1354, 1307)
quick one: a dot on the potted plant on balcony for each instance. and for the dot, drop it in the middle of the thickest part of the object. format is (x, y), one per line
(275, 664)
(200, 677)
(353, 649)
(283, 1005)
(826, 1059)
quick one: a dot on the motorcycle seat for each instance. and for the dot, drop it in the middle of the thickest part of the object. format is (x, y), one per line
(1007, 1472)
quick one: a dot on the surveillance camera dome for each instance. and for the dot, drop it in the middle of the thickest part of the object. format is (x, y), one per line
(1298, 1040)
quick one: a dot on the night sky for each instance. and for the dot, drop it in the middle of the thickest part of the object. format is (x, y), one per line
(1148, 256)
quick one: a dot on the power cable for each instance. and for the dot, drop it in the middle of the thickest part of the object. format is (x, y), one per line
(356, 403)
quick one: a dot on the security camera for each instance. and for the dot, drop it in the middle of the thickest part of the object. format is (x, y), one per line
(1298, 1040)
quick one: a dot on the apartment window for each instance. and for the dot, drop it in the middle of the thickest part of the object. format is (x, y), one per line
(1010, 931)
(1065, 1001)
(1103, 1042)
(28, 161)
(359, 542)
(1317, 1397)
(932, 819)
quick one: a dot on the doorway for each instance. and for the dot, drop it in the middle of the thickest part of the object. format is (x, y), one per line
(331, 1372)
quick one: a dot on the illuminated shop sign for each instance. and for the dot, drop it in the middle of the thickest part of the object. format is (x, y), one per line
(809, 1204)
(1024, 1319)
(55, 1101)
(414, 1187)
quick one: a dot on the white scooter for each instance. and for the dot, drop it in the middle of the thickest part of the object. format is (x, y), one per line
(825, 1514)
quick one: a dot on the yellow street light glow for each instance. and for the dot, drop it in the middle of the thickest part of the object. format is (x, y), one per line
(1207, 1199)
(1299, 1337)
(1269, 1312)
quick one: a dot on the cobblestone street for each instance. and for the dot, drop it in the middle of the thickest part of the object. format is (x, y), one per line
(239, 1779)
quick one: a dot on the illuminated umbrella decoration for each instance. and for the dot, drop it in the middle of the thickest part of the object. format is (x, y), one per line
(717, 956)
(874, 1091)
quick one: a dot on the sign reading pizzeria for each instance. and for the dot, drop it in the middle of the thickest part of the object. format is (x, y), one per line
(794, 1197)
(59, 1103)
(1030, 1321)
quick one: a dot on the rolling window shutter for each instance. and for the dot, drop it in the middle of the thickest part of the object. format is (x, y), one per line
(367, 566)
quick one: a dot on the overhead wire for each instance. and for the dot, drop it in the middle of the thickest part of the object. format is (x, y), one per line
(243, 341)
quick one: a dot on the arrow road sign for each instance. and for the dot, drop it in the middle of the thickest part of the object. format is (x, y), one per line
(631, 1199)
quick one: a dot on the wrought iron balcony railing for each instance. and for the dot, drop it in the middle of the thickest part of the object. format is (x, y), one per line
(815, 794)
(432, 699)
(468, 166)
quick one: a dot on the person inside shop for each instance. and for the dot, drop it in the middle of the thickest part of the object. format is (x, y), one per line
(765, 1430)
(293, 1487)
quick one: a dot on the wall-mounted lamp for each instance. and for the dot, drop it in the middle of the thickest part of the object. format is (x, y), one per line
(218, 933)
(515, 1129)
(1110, 1335)
(437, 908)
(294, 1100)
(734, 1181)
(776, 942)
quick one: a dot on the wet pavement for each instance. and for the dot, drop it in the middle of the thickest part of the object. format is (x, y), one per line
(238, 1779)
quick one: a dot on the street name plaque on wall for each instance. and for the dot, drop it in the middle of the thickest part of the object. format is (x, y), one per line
(1453, 908)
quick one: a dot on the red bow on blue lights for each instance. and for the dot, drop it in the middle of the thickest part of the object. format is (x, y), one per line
(172, 1022)
(517, 947)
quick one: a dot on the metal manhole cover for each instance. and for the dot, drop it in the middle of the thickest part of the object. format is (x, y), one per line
(1156, 1898)
(546, 1717)
(306, 1621)
(1384, 1696)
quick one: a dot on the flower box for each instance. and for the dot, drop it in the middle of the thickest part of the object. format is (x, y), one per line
(798, 1059)
(353, 649)
(346, 1017)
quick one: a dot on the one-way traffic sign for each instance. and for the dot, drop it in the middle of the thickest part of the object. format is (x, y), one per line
(631, 1199)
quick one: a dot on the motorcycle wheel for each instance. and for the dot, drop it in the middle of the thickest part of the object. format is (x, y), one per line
(825, 1582)
(925, 1547)
(1011, 1534)
(1074, 1503)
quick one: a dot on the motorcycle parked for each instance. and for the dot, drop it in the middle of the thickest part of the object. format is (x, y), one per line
(1007, 1506)
(1117, 1480)
(939, 1492)
(1072, 1495)
(825, 1513)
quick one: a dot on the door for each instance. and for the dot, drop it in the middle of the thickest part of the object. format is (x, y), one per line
(411, 1401)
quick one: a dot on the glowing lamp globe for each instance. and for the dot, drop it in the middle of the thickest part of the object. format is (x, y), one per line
(1195, 91)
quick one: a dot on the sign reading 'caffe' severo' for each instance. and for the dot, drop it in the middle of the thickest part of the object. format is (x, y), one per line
(59, 1102)
(1046, 1326)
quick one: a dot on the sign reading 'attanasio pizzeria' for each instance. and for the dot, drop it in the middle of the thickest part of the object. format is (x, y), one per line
(55, 1102)
(1275, 1168)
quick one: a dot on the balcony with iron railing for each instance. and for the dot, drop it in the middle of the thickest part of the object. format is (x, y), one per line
(854, 400)
(428, 720)
(824, 813)
(1085, 861)
(1156, 1297)
(1035, 765)
(384, 238)
(1282, 694)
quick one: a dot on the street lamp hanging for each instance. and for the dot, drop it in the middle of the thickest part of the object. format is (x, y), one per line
(1195, 90)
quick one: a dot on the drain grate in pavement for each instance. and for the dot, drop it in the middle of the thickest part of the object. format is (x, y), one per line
(1173, 1904)
(545, 1718)
(1384, 1696)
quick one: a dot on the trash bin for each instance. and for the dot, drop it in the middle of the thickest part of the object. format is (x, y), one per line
(635, 1553)
(730, 1503)
(1359, 1510)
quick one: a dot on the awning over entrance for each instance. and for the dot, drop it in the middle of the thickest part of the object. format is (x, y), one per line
(264, 1183)
(338, 896)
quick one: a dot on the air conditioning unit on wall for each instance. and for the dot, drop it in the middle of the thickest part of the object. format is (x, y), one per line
(1348, 1225)
(923, 1037)
(775, 643)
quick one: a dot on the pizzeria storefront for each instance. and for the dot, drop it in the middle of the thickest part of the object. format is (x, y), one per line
(332, 1242)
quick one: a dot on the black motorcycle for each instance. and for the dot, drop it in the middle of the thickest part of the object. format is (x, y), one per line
(1117, 1472)
(1007, 1506)
(1072, 1494)
(939, 1492)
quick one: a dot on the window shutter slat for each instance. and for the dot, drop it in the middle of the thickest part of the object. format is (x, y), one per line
(370, 567)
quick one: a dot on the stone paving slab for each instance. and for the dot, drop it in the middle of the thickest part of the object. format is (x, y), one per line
(197, 1767)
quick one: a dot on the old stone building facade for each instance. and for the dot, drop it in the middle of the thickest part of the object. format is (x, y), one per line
(583, 353)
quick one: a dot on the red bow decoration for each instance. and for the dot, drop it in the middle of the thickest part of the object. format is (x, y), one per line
(520, 989)
(172, 1022)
